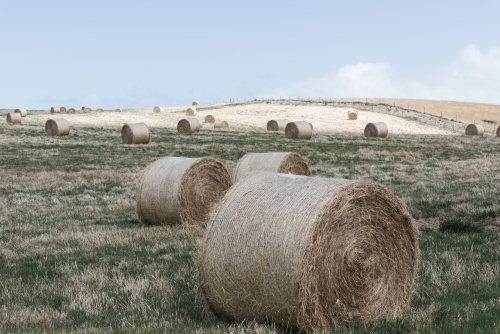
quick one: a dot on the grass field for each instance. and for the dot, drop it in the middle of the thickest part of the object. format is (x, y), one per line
(73, 256)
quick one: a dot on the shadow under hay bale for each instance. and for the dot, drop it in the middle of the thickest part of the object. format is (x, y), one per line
(298, 130)
(221, 125)
(377, 129)
(118, 110)
(188, 125)
(57, 127)
(23, 112)
(55, 110)
(195, 103)
(474, 130)
(191, 111)
(210, 119)
(278, 162)
(352, 114)
(180, 190)
(304, 252)
(137, 133)
(277, 124)
(157, 109)
(14, 118)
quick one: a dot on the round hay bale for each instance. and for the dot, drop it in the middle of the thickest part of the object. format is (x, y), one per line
(87, 110)
(474, 130)
(63, 110)
(118, 110)
(278, 162)
(71, 110)
(498, 131)
(158, 109)
(277, 124)
(55, 110)
(210, 119)
(188, 125)
(99, 110)
(57, 127)
(23, 112)
(180, 190)
(221, 125)
(298, 130)
(195, 103)
(14, 118)
(352, 114)
(305, 252)
(377, 129)
(191, 111)
(136, 133)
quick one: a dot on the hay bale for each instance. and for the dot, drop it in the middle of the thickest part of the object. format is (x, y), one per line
(180, 190)
(312, 128)
(498, 131)
(352, 114)
(63, 110)
(474, 130)
(136, 133)
(277, 124)
(71, 110)
(55, 110)
(188, 125)
(14, 118)
(158, 109)
(278, 162)
(118, 110)
(305, 252)
(191, 111)
(23, 112)
(210, 119)
(87, 110)
(377, 129)
(195, 103)
(99, 110)
(221, 125)
(85, 107)
(57, 127)
(298, 130)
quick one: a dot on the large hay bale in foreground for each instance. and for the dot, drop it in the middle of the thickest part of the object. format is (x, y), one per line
(55, 110)
(191, 111)
(307, 252)
(277, 124)
(210, 119)
(188, 125)
(158, 109)
(221, 125)
(278, 162)
(57, 127)
(180, 190)
(118, 110)
(136, 133)
(14, 118)
(195, 103)
(377, 129)
(352, 114)
(23, 112)
(298, 130)
(71, 110)
(474, 130)
(87, 110)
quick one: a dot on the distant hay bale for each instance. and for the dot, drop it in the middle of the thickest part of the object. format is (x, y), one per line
(158, 109)
(99, 110)
(136, 133)
(277, 124)
(14, 118)
(377, 129)
(71, 110)
(210, 119)
(188, 125)
(298, 130)
(23, 112)
(474, 130)
(87, 110)
(498, 131)
(191, 111)
(57, 127)
(308, 252)
(118, 110)
(352, 114)
(278, 162)
(180, 190)
(195, 103)
(63, 110)
(55, 110)
(221, 125)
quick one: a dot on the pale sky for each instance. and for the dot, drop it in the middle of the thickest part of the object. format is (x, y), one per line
(125, 54)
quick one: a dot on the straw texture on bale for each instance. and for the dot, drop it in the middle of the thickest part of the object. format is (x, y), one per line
(158, 109)
(71, 110)
(498, 131)
(277, 124)
(298, 130)
(210, 119)
(136, 133)
(99, 110)
(221, 125)
(191, 111)
(63, 109)
(55, 110)
(304, 252)
(474, 130)
(377, 129)
(278, 162)
(23, 112)
(195, 103)
(87, 110)
(118, 110)
(180, 190)
(14, 118)
(188, 125)
(352, 114)
(57, 127)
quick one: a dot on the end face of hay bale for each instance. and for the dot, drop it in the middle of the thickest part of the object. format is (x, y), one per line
(210, 119)
(57, 127)
(298, 130)
(221, 125)
(335, 250)
(99, 110)
(180, 190)
(23, 112)
(474, 130)
(195, 103)
(87, 110)
(63, 109)
(188, 125)
(277, 124)
(136, 133)
(118, 110)
(158, 109)
(191, 111)
(55, 110)
(352, 114)
(14, 118)
(377, 129)
(71, 110)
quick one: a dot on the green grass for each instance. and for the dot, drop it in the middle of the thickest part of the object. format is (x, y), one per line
(74, 258)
